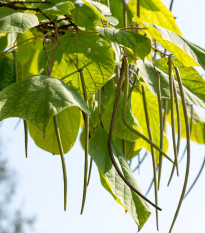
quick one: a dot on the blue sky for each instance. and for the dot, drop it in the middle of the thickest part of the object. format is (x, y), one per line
(40, 182)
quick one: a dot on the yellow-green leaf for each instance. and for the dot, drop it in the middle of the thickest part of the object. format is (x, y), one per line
(154, 11)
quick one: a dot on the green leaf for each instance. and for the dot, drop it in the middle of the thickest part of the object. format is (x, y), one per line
(7, 76)
(155, 12)
(37, 99)
(3, 42)
(60, 8)
(16, 21)
(185, 51)
(153, 112)
(191, 79)
(140, 45)
(111, 181)
(120, 129)
(88, 52)
(68, 122)
(116, 8)
(84, 17)
(149, 76)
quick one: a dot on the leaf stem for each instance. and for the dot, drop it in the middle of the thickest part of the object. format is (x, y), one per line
(55, 121)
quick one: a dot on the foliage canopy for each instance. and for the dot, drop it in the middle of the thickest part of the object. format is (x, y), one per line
(120, 70)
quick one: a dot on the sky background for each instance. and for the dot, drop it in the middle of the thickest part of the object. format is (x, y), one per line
(40, 181)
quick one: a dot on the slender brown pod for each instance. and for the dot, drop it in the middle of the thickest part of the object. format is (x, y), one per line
(86, 118)
(172, 111)
(188, 146)
(161, 125)
(179, 129)
(119, 87)
(152, 151)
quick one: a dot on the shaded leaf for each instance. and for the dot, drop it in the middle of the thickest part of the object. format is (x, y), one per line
(37, 99)
(16, 21)
(91, 54)
(140, 45)
(68, 122)
(111, 181)
(7, 76)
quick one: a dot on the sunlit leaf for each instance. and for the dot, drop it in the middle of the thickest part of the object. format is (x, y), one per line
(88, 52)
(111, 181)
(68, 122)
(149, 75)
(60, 8)
(191, 79)
(154, 11)
(185, 51)
(120, 129)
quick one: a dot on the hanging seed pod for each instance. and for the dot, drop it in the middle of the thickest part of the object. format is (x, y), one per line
(86, 119)
(188, 146)
(179, 129)
(55, 121)
(152, 151)
(172, 111)
(119, 86)
(161, 125)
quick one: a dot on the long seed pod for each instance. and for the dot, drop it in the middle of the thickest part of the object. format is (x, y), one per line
(188, 146)
(196, 179)
(152, 151)
(161, 125)
(90, 170)
(86, 118)
(99, 107)
(172, 111)
(191, 120)
(119, 86)
(179, 129)
(55, 121)
(24, 121)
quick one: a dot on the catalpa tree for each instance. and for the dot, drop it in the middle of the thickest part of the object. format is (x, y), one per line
(120, 70)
